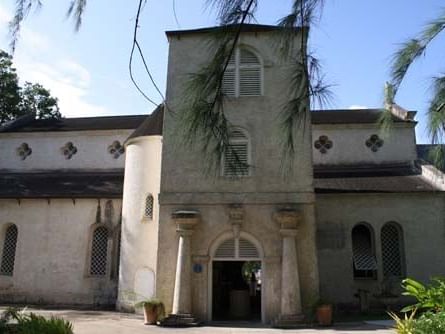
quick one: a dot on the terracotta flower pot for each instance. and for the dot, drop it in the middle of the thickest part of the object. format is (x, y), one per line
(324, 315)
(150, 314)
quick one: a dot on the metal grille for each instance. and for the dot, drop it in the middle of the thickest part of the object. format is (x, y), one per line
(391, 251)
(8, 255)
(99, 251)
(363, 257)
(247, 249)
(149, 207)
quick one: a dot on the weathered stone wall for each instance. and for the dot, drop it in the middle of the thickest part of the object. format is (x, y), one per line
(139, 234)
(185, 185)
(349, 144)
(92, 150)
(421, 217)
(53, 251)
(259, 223)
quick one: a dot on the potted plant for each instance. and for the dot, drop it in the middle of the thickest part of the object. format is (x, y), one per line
(323, 313)
(153, 310)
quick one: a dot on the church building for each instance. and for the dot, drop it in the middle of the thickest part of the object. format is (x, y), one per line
(108, 211)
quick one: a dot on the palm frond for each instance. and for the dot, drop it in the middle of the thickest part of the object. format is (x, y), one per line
(386, 119)
(412, 49)
(202, 120)
(234, 11)
(307, 82)
(436, 121)
(76, 10)
(22, 9)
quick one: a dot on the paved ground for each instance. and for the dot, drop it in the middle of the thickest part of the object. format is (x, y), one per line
(93, 322)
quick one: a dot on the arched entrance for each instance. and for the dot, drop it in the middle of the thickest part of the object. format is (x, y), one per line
(236, 279)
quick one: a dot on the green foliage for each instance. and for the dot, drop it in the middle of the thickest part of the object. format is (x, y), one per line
(9, 89)
(20, 322)
(429, 297)
(404, 325)
(155, 304)
(402, 61)
(37, 324)
(16, 101)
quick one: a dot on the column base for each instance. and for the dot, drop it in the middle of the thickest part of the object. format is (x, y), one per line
(179, 320)
(289, 321)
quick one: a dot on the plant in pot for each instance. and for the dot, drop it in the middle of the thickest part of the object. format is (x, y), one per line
(323, 313)
(153, 310)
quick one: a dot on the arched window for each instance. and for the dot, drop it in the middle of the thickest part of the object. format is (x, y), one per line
(148, 208)
(236, 157)
(8, 255)
(243, 75)
(392, 250)
(364, 262)
(99, 252)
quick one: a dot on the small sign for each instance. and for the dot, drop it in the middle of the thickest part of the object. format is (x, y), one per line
(197, 268)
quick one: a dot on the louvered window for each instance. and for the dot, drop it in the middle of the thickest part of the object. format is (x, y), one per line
(243, 75)
(247, 249)
(236, 157)
(99, 252)
(237, 249)
(148, 210)
(392, 250)
(226, 249)
(364, 262)
(8, 255)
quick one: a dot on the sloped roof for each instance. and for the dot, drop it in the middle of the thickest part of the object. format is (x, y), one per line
(246, 27)
(351, 116)
(62, 184)
(381, 178)
(152, 125)
(30, 124)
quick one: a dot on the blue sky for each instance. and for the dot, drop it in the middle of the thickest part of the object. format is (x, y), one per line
(88, 70)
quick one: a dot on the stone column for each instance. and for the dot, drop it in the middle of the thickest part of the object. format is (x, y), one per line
(290, 311)
(182, 297)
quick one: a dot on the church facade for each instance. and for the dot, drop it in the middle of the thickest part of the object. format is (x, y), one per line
(112, 210)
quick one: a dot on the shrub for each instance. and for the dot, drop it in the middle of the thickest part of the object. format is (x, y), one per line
(430, 323)
(18, 322)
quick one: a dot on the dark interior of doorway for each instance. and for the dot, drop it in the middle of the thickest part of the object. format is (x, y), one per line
(236, 290)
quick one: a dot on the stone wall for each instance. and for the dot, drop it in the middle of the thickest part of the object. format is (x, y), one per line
(91, 150)
(139, 248)
(420, 217)
(53, 251)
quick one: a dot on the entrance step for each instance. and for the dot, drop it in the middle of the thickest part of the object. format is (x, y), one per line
(290, 321)
(179, 320)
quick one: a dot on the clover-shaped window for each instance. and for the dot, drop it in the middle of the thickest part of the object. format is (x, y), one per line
(68, 150)
(116, 149)
(24, 151)
(323, 144)
(374, 143)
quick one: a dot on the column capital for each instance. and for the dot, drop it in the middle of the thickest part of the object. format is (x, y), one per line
(186, 220)
(288, 232)
(287, 218)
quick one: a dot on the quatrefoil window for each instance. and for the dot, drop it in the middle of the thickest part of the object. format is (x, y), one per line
(116, 149)
(323, 144)
(24, 151)
(68, 150)
(374, 143)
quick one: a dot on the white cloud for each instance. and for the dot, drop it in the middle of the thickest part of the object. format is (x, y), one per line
(357, 106)
(37, 61)
(5, 16)
(67, 80)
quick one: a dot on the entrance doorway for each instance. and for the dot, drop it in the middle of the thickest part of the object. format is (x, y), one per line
(235, 279)
(236, 290)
